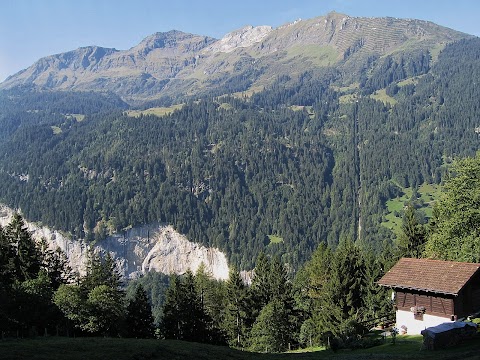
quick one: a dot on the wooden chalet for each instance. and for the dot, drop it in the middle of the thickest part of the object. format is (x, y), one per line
(430, 292)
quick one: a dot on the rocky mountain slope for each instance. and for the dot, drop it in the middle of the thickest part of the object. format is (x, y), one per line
(176, 64)
(136, 251)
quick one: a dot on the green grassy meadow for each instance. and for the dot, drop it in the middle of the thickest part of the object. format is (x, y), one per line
(56, 130)
(428, 194)
(157, 111)
(51, 348)
(318, 55)
(275, 239)
(381, 95)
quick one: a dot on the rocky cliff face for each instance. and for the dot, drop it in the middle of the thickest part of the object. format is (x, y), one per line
(241, 38)
(139, 250)
(178, 64)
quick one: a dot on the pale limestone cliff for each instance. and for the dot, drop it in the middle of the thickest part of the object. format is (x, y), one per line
(242, 38)
(139, 250)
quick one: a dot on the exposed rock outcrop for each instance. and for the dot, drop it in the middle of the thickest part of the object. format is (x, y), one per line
(244, 37)
(139, 250)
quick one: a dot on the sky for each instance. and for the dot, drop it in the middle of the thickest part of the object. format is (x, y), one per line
(32, 29)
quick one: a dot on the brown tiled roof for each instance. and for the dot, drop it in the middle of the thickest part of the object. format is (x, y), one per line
(445, 277)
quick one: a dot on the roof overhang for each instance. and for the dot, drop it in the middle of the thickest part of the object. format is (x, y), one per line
(395, 287)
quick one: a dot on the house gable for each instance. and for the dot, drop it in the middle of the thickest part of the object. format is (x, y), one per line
(430, 292)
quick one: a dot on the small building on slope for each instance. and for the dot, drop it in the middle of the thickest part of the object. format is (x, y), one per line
(430, 292)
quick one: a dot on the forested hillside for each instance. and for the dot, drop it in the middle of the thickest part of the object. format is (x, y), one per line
(306, 160)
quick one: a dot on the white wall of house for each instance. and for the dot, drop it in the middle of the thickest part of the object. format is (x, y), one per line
(414, 327)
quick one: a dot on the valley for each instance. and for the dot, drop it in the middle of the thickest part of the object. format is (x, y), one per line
(247, 191)
(315, 148)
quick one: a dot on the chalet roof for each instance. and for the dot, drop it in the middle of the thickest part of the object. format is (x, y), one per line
(437, 276)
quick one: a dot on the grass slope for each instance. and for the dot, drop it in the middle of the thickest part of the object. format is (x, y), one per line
(428, 194)
(381, 95)
(275, 239)
(51, 348)
(157, 111)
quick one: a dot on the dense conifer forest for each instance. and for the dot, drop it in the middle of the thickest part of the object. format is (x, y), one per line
(332, 300)
(291, 181)
(302, 162)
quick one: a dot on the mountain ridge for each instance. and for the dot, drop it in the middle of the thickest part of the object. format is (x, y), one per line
(178, 64)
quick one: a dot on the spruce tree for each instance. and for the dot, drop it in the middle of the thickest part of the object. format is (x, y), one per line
(101, 271)
(342, 299)
(7, 255)
(279, 285)
(212, 303)
(411, 242)
(271, 330)
(455, 226)
(139, 319)
(27, 258)
(194, 318)
(260, 290)
(234, 323)
(55, 263)
(376, 298)
(172, 320)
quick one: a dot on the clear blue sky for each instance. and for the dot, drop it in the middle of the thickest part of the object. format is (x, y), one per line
(31, 29)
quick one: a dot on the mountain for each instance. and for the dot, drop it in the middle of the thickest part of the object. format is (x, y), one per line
(278, 140)
(178, 65)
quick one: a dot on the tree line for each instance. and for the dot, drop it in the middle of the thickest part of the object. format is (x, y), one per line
(40, 295)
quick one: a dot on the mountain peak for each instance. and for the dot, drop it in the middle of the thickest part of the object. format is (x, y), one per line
(173, 39)
(176, 63)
